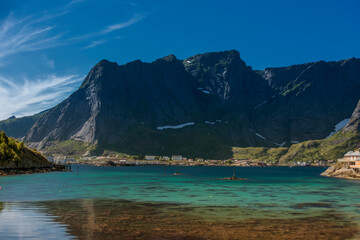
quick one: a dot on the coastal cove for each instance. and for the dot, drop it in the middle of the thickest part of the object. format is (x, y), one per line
(145, 202)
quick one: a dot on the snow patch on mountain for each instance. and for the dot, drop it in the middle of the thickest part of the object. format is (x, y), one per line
(176, 126)
(264, 138)
(339, 126)
(260, 136)
(212, 123)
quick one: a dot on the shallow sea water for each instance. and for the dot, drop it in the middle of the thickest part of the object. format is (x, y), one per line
(145, 203)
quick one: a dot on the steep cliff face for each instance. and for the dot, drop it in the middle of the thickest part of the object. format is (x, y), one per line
(203, 104)
(310, 100)
(114, 102)
(114, 98)
(227, 76)
(354, 122)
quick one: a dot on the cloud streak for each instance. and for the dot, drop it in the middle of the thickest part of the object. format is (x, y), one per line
(32, 34)
(95, 43)
(35, 33)
(31, 97)
(21, 35)
(109, 29)
(136, 18)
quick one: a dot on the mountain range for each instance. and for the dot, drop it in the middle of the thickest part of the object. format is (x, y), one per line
(201, 106)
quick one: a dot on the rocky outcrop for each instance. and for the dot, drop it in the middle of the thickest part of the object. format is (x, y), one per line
(342, 170)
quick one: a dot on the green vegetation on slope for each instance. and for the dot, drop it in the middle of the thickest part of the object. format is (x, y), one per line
(69, 147)
(326, 149)
(15, 154)
(259, 153)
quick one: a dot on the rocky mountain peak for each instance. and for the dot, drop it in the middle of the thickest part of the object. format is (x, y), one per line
(169, 58)
(97, 72)
(230, 57)
(221, 73)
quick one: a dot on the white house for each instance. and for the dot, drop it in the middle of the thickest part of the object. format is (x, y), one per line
(177, 157)
(60, 160)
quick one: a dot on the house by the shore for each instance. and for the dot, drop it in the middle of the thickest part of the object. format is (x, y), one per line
(150, 158)
(352, 157)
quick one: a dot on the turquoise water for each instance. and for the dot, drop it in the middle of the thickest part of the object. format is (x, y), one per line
(266, 192)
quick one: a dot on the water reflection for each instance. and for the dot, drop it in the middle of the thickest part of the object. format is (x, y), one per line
(25, 221)
(117, 219)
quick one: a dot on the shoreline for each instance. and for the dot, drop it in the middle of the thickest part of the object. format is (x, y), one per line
(32, 170)
(220, 163)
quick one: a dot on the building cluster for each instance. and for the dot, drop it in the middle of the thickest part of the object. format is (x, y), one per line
(166, 158)
(352, 157)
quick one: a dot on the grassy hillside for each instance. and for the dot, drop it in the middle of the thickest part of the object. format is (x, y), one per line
(260, 153)
(15, 154)
(69, 147)
(326, 149)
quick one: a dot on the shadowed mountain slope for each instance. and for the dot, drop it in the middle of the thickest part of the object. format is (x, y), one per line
(202, 105)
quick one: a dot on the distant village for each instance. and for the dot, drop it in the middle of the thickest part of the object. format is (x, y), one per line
(173, 160)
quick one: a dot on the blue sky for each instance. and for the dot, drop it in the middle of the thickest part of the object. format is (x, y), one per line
(48, 47)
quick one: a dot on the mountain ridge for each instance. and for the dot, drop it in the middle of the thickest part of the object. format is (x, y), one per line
(247, 108)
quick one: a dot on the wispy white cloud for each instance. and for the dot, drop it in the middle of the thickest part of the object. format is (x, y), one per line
(34, 33)
(32, 96)
(26, 34)
(95, 43)
(75, 1)
(136, 18)
(111, 28)
(48, 62)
